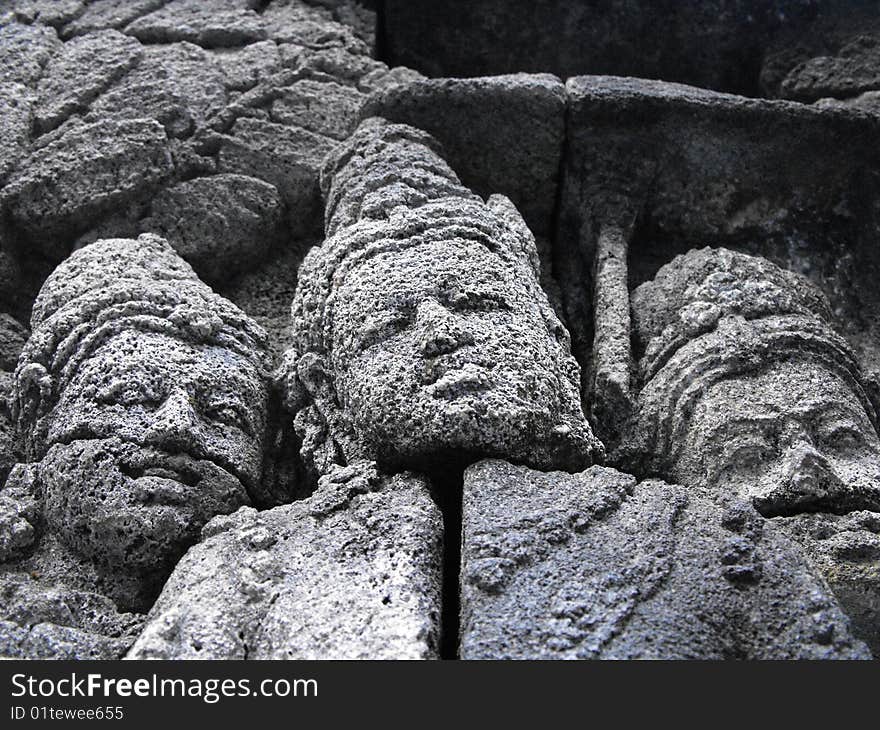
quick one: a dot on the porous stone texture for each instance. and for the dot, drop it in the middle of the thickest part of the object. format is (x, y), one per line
(85, 67)
(177, 84)
(428, 273)
(209, 23)
(85, 173)
(287, 157)
(747, 391)
(140, 402)
(218, 223)
(595, 566)
(352, 572)
(80, 82)
(501, 134)
(423, 316)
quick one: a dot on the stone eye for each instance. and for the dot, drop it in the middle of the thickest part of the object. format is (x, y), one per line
(378, 330)
(842, 437)
(747, 455)
(228, 415)
(128, 396)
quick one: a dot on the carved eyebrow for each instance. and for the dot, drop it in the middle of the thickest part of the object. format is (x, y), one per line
(753, 423)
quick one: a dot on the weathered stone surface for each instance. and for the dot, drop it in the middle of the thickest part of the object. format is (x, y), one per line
(593, 565)
(15, 125)
(48, 12)
(245, 67)
(326, 108)
(25, 50)
(208, 23)
(38, 622)
(105, 14)
(179, 85)
(855, 69)
(141, 402)
(77, 74)
(287, 157)
(353, 572)
(89, 171)
(423, 315)
(846, 550)
(500, 134)
(747, 392)
(302, 24)
(221, 225)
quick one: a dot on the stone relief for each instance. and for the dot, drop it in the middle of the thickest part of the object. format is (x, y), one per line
(576, 367)
(140, 400)
(747, 392)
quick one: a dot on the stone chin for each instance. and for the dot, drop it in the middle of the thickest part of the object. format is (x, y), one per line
(126, 506)
(464, 424)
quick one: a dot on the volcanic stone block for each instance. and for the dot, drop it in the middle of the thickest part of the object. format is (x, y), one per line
(593, 565)
(287, 157)
(222, 225)
(501, 134)
(25, 50)
(92, 170)
(353, 572)
(83, 69)
(16, 102)
(245, 67)
(326, 108)
(208, 23)
(49, 12)
(104, 14)
(179, 85)
(852, 71)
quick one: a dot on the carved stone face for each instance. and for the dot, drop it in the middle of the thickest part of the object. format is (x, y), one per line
(796, 441)
(151, 438)
(442, 347)
(792, 438)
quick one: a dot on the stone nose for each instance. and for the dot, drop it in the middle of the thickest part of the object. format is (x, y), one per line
(175, 424)
(441, 331)
(810, 476)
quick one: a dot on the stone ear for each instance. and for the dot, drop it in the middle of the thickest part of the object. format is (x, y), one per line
(311, 373)
(33, 393)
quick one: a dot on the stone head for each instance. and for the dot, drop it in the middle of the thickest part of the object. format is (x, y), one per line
(749, 391)
(421, 329)
(143, 396)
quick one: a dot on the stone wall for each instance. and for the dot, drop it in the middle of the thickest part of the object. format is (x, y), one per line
(333, 329)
